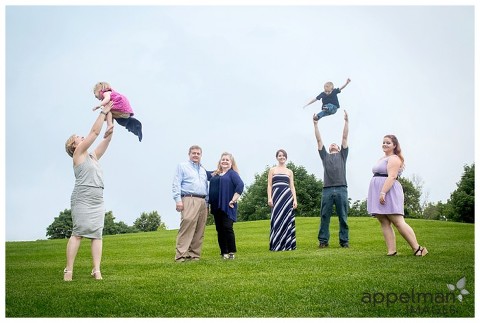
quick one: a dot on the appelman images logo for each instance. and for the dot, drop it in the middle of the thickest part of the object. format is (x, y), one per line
(421, 302)
(460, 285)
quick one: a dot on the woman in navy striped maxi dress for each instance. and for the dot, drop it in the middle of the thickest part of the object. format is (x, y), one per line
(282, 198)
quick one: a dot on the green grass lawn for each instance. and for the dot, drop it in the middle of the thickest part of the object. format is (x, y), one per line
(141, 278)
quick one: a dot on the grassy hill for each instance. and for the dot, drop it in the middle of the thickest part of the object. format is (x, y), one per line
(142, 280)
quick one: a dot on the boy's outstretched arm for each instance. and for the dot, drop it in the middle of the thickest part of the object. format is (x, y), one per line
(312, 101)
(344, 85)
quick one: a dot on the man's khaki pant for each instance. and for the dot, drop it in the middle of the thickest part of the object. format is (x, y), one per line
(192, 228)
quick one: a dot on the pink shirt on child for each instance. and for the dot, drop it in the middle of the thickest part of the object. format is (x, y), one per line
(120, 102)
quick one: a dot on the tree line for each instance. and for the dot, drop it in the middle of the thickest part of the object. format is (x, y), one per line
(252, 205)
(460, 206)
(62, 225)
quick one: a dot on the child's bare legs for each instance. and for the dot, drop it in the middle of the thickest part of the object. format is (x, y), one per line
(109, 130)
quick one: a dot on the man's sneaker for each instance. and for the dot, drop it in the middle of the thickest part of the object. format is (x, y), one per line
(224, 256)
(231, 256)
(344, 245)
(323, 245)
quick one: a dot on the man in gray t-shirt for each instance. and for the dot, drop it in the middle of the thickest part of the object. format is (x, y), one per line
(334, 186)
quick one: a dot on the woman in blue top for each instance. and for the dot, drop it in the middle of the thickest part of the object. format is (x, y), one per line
(226, 186)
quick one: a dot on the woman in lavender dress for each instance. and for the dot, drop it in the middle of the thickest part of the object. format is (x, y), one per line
(385, 198)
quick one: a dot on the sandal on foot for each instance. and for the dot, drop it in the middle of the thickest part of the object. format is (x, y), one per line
(96, 274)
(67, 275)
(392, 254)
(421, 252)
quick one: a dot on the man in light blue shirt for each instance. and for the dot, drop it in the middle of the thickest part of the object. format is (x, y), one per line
(190, 188)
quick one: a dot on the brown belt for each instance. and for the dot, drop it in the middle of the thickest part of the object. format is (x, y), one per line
(194, 195)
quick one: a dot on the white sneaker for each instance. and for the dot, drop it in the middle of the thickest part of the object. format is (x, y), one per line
(225, 256)
(231, 256)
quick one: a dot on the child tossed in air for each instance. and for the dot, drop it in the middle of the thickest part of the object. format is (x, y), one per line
(329, 99)
(121, 110)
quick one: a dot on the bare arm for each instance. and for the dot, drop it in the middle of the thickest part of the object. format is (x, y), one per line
(317, 134)
(312, 101)
(346, 83)
(234, 199)
(239, 185)
(393, 166)
(81, 150)
(106, 100)
(292, 188)
(103, 145)
(345, 131)
(269, 187)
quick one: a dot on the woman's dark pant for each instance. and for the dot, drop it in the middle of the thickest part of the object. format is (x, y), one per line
(226, 236)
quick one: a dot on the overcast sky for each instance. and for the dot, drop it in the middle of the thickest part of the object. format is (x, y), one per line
(230, 78)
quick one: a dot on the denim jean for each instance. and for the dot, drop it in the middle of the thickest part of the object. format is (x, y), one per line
(337, 196)
(329, 109)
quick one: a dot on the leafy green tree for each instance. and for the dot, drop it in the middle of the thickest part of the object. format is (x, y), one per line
(111, 227)
(358, 208)
(121, 227)
(435, 211)
(309, 191)
(61, 227)
(109, 224)
(253, 205)
(210, 218)
(149, 222)
(412, 195)
(462, 200)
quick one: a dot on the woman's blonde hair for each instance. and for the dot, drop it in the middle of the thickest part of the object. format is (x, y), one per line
(103, 86)
(69, 145)
(219, 166)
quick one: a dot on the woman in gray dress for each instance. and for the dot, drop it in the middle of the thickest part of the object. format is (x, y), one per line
(88, 212)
